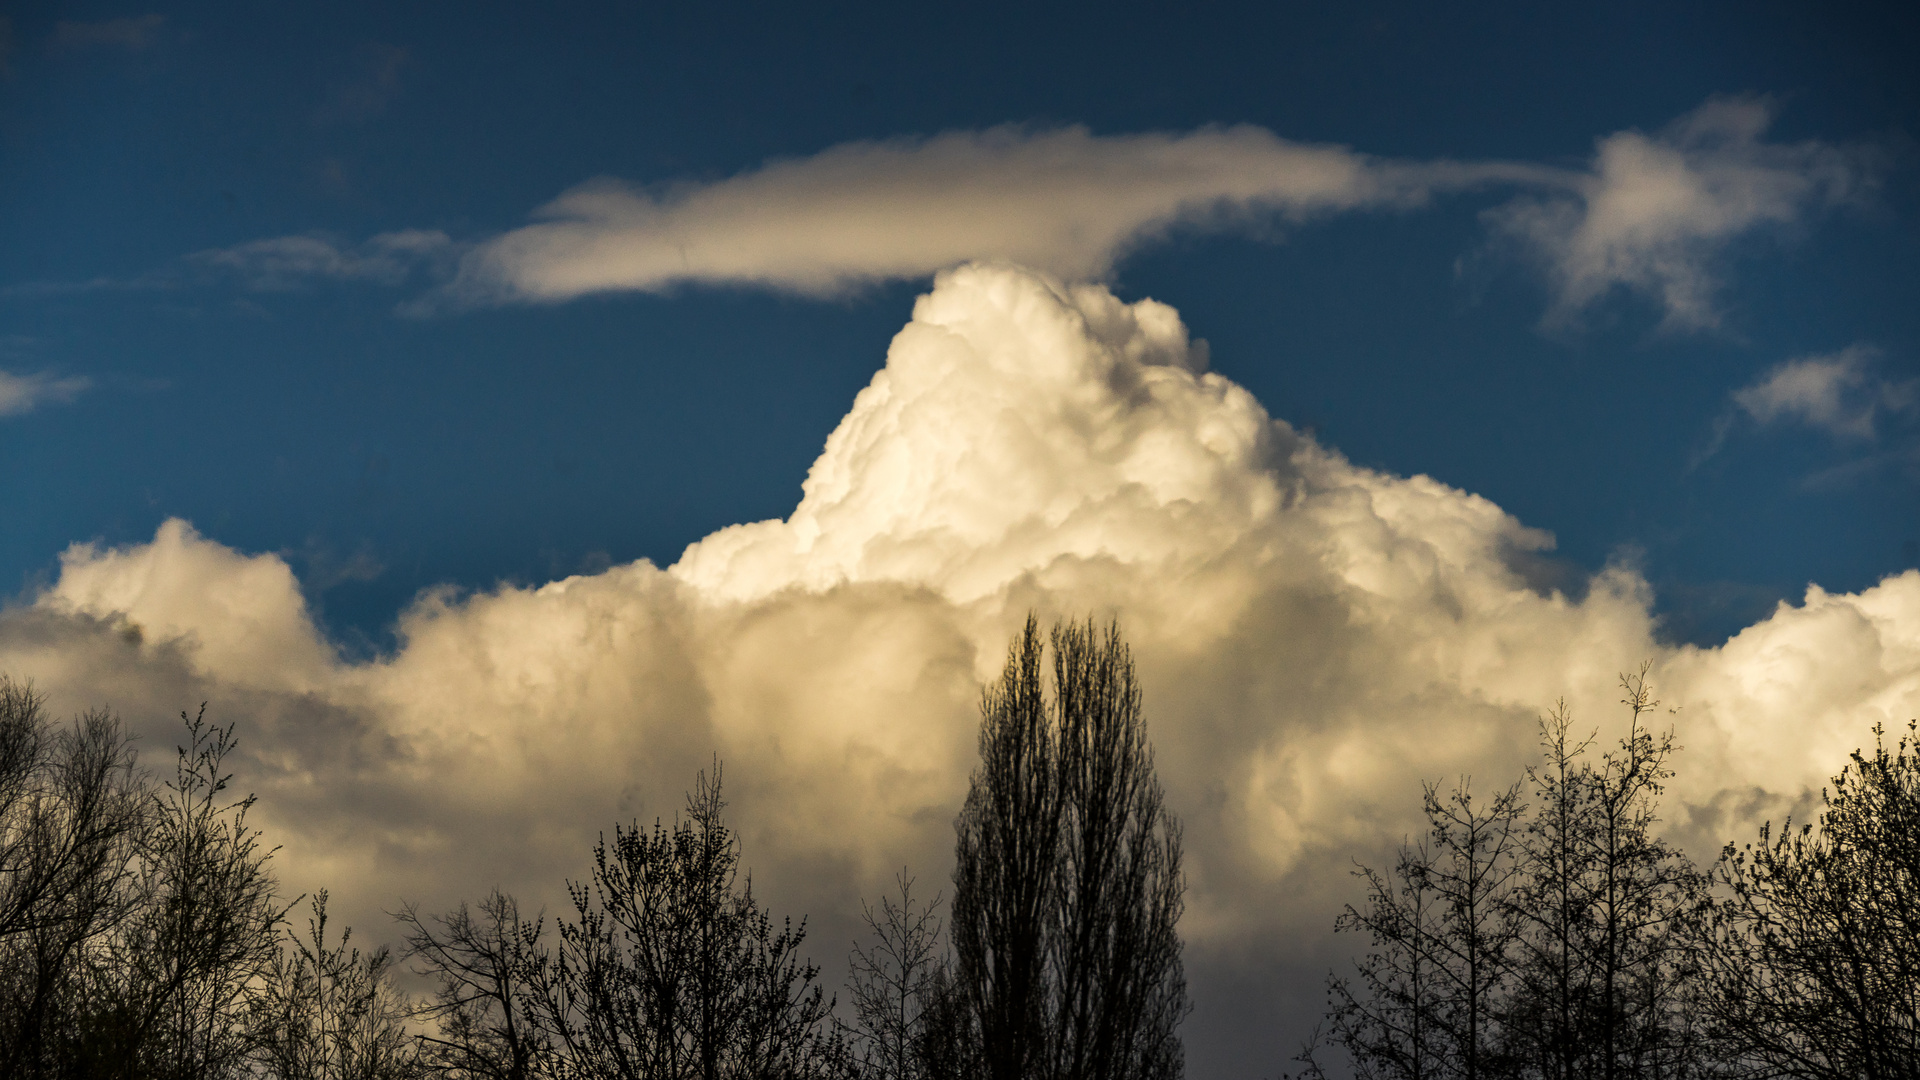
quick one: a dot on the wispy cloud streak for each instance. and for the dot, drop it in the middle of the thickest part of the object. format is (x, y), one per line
(23, 393)
(288, 262)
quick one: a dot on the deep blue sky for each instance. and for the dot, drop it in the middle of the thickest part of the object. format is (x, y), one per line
(385, 453)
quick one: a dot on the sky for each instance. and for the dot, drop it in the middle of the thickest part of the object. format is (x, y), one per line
(497, 412)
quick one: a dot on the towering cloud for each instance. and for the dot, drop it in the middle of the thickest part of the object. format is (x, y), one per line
(1314, 638)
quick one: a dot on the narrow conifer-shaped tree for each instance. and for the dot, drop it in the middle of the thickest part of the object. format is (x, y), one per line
(1067, 884)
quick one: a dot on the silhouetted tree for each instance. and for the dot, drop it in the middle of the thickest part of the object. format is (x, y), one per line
(140, 934)
(203, 929)
(1004, 880)
(948, 1045)
(1067, 884)
(1814, 953)
(891, 984)
(1555, 941)
(1388, 1025)
(669, 972)
(1605, 959)
(1433, 985)
(481, 963)
(328, 1012)
(72, 811)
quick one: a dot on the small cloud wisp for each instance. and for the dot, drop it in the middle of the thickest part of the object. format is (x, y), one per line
(21, 394)
(1654, 213)
(1839, 394)
(284, 263)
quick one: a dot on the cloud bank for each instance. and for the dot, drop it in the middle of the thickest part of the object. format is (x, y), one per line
(1314, 638)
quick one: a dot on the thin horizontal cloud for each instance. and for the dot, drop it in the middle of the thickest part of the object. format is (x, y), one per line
(1065, 201)
(281, 263)
(1655, 213)
(23, 393)
(1651, 215)
(131, 33)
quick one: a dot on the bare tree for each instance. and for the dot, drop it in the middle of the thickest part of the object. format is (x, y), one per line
(1387, 1025)
(1116, 954)
(1555, 941)
(669, 972)
(1605, 948)
(892, 982)
(1814, 954)
(72, 811)
(481, 963)
(1433, 984)
(1004, 881)
(1554, 904)
(204, 928)
(1067, 884)
(1476, 866)
(328, 1012)
(948, 1045)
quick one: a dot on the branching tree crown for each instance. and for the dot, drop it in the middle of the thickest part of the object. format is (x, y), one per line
(1814, 952)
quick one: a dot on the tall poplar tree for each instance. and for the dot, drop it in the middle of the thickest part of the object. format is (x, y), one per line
(1067, 884)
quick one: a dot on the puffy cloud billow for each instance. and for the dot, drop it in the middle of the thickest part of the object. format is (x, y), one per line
(1314, 639)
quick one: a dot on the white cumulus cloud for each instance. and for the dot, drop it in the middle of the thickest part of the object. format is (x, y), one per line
(1314, 638)
(1655, 213)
